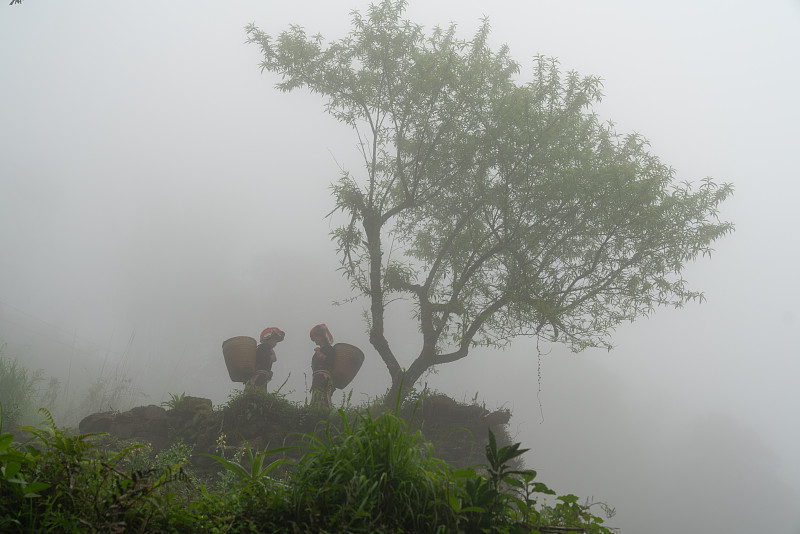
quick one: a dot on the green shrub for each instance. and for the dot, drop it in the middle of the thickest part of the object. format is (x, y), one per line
(174, 400)
(255, 471)
(256, 403)
(57, 482)
(373, 475)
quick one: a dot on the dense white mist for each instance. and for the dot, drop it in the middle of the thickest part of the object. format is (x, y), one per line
(158, 195)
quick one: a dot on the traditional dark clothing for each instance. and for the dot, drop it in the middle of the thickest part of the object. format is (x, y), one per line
(321, 364)
(265, 356)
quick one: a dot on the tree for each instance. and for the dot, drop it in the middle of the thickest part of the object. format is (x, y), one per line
(499, 208)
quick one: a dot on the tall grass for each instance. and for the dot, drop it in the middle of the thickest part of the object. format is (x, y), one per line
(18, 389)
(373, 475)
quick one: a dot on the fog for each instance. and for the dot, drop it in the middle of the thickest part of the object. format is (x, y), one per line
(158, 195)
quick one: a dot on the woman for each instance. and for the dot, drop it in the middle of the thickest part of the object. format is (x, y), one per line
(321, 364)
(265, 356)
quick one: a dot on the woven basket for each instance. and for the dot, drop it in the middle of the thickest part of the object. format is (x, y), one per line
(240, 357)
(347, 360)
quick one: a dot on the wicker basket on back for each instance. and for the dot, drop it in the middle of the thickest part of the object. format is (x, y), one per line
(347, 360)
(240, 357)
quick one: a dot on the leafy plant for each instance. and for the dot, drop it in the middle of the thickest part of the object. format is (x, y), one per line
(256, 470)
(174, 400)
(12, 461)
(60, 482)
(257, 403)
(505, 495)
(568, 511)
(176, 455)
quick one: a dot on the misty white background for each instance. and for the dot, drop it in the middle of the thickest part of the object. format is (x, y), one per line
(158, 195)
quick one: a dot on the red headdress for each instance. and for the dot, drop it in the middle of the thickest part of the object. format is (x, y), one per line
(321, 331)
(272, 331)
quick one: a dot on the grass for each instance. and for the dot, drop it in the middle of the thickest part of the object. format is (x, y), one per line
(372, 475)
(18, 389)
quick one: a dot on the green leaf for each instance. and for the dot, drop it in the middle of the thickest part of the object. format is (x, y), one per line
(511, 481)
(234, 467)
(31, 490)
(454, 502)
(464, 473)
(476, 509)
(539, 487)
(11, 469)
(568, 499)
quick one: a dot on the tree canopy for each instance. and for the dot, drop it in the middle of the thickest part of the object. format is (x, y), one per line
(499, 207)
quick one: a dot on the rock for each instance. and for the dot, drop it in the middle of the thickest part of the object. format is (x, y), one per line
(96, 422)
(500, 417)
(149, 413)
(194, 420)
(147, 423)
(123, 426)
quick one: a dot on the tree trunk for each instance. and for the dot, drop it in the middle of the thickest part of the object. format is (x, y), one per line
(403, 382)
(377, 338)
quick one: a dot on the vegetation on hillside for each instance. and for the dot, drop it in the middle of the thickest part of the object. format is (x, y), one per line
(355, 469)
(368, 474)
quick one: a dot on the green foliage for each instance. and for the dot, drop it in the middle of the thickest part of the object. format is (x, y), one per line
(503, 500)
(364, 475)
(174, 400)
(12, 461)
(569, 512)
(373, 475)
(176, 455)
(511, 208)
(58, 482)
(257, 403)
(256, 470)
(18, 388)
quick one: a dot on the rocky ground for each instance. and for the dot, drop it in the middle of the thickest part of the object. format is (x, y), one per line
(458, 431)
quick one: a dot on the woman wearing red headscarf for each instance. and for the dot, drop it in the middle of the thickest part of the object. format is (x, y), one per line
(265, 356)
(321, 364)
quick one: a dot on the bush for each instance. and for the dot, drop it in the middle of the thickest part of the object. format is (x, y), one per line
(373, 475)
(57, 482)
